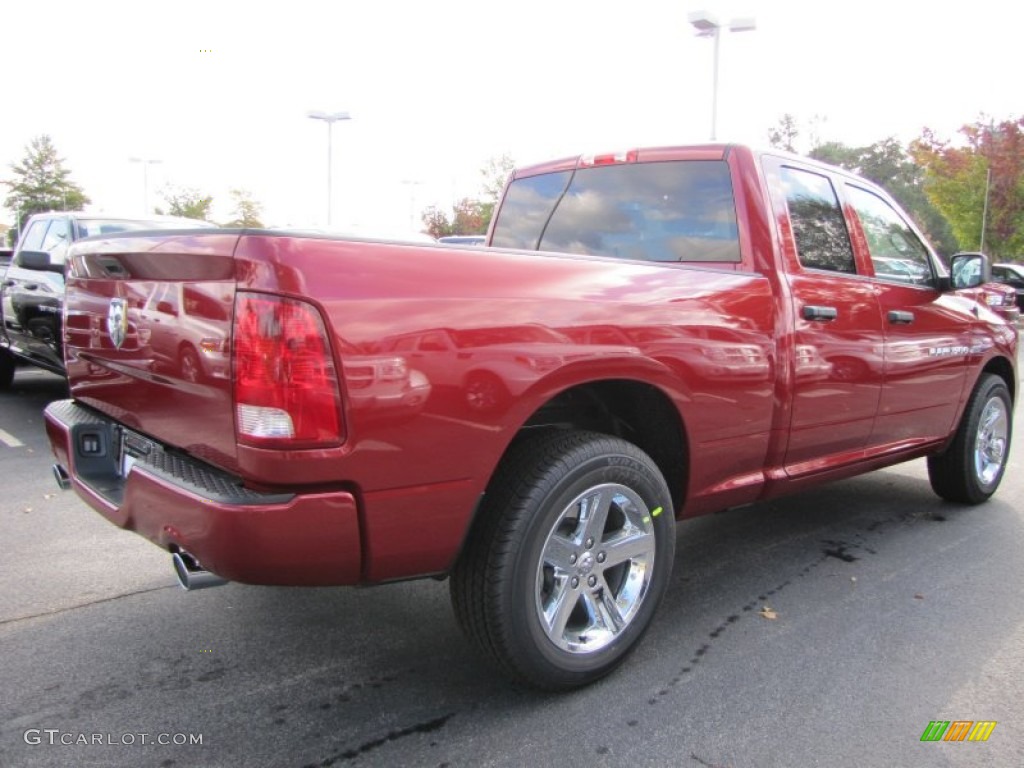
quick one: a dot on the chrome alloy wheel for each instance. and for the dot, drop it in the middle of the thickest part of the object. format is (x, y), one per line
(991, 440)
(595, 568)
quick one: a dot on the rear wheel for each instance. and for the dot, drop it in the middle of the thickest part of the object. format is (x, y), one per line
(969, 471)
(569, 559)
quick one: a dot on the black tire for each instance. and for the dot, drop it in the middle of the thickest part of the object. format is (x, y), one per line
(531, 545)
(970, 469)
(7, 366)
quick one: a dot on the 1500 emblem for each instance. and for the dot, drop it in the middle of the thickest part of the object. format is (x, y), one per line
(117, 322)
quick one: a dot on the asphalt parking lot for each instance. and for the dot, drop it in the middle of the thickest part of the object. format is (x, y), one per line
(826, 629)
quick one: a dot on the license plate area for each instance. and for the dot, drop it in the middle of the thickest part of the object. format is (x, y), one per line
(134, 447)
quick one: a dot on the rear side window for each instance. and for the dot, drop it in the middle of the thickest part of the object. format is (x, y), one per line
(1007, 275)
(822, 241)
(526, 208)
(671, 211)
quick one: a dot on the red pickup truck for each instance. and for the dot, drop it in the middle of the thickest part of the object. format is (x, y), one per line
(649, 336)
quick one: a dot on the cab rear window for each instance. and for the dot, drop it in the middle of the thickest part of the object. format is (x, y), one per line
(666, 211)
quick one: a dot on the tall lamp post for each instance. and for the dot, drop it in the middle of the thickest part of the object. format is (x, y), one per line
(984, 210)
(330, 118)
(412, 184)
(707, 26)
(145, 180)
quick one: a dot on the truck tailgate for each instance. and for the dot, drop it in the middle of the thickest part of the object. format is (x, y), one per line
(147, 336)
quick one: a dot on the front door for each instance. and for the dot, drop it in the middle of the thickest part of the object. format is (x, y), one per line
(927, 333)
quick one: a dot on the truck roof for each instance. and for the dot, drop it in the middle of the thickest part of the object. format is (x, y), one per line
(707, 151)
(116, 216)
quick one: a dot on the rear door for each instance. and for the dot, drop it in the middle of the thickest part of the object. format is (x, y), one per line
(836, 349)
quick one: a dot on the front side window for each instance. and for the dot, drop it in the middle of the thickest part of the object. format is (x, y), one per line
(665, 211)
(822, 241)
(896, 252)
(57, 238)
(33, 240)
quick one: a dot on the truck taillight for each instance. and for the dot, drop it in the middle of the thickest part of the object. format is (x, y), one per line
(285, 383)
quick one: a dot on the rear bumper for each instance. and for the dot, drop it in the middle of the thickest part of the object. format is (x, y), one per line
(178, 502)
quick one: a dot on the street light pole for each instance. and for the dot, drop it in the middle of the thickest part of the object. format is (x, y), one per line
(412, 184)
(145, 180)
(707, 26)
(330, 118)
(984, 210)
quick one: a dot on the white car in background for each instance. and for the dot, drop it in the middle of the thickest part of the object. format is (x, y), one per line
(1013, 276)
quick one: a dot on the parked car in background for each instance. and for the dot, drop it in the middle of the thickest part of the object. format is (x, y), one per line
(463, 239)
(488, 366)
(183, 330)
(1013, 276)
(994, 294)
(32, 286)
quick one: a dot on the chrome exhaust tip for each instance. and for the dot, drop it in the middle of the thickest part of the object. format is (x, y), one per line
(191, 575)
(62, 477)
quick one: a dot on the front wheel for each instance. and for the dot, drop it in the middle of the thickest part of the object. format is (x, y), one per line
(484, 392)
(569, 559)
(969, 471)
(191, 368)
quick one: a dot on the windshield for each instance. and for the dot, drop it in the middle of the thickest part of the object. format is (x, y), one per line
(94, 227)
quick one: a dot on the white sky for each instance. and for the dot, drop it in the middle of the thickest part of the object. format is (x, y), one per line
(218, 91)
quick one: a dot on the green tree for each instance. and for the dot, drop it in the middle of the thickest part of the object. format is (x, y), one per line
(960, 179)
(495, 175)
(247, 210)
(468, 217)
(471, 217)
(42, 183)
(436, 222)
(787, 133)
(187, 202)
(783, 135)
(890, 165)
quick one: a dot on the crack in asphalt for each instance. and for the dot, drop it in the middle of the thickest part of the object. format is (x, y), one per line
(833, 549)
(696, 759)
(369, 746)
(101, 600)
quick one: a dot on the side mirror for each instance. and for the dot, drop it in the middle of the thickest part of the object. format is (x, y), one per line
(39, 261)
(969, 270)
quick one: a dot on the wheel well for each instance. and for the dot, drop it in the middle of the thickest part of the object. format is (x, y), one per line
(1001, 368)
(631, 410)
